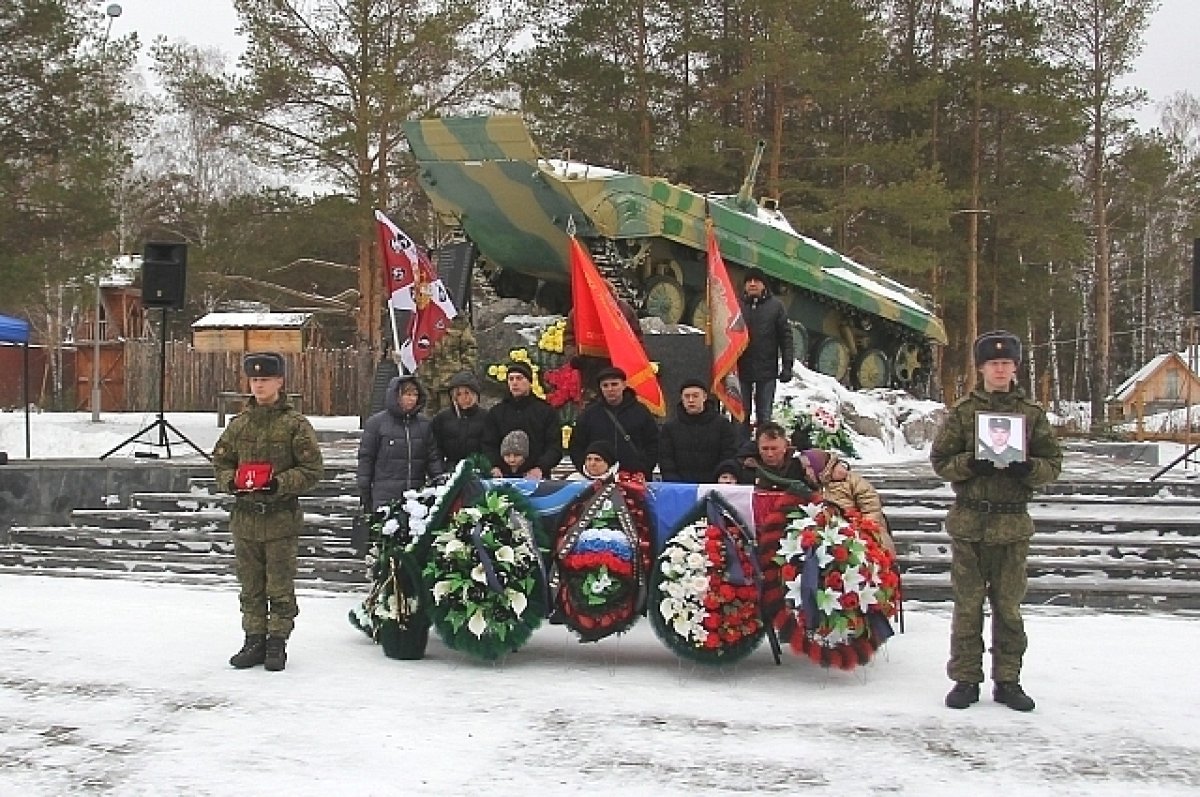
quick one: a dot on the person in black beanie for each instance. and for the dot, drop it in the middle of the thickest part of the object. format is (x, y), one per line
(770, 355)
(521, 410)
(696, 439)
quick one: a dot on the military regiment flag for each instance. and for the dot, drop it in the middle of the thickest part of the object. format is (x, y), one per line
(602, 331)
(413, 286)
(726, 332)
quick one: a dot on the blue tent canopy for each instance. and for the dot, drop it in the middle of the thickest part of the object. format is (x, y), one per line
(13, 330)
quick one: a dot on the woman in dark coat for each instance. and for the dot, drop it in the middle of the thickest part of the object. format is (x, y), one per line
(397, 451)
(458, 429)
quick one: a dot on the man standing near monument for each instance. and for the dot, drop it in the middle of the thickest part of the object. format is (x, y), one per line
(619, 418)
(522, 411)
(267, 457)
(769, 356)
(989, 524)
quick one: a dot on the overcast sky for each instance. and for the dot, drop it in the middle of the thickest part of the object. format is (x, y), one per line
(1169, 63)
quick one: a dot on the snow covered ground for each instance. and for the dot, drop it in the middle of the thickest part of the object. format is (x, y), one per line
(123, 688)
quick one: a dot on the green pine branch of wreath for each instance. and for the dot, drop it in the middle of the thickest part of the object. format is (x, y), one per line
(824, 428)
(485, 575)
(706, 590)
(395, 612)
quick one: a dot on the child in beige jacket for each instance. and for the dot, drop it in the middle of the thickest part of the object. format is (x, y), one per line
(848, 490)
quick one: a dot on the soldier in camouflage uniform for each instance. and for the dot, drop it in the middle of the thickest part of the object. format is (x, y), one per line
(266, 517)
(456, 351)
(989, 525)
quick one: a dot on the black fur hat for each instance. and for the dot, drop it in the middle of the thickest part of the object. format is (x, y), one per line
(263, 363)
(997, 345)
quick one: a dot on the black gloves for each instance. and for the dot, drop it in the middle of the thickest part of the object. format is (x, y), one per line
(1019, 470)
(785, 375)
(272, 486)
(982, 467)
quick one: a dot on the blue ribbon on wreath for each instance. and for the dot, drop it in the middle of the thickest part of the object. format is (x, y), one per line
(485, 558)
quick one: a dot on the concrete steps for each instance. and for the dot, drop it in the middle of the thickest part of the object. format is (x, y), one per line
(1103, 544)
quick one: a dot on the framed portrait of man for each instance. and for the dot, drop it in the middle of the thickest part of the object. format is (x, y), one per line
(1000, 437)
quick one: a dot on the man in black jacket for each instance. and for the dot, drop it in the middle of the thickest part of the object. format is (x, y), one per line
(771, 352)
(520, 409)
(619, 418)
(693, 443)
(458, 429)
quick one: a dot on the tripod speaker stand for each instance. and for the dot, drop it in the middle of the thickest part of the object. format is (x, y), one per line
(160, 423)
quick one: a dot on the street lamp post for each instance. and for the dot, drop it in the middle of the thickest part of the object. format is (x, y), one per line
(112, 12)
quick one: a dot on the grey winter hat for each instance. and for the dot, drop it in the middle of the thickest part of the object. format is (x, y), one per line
(998, 344)
(464, 379)
(515, 442)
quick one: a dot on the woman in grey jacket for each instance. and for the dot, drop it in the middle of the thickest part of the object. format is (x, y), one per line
(397, 451)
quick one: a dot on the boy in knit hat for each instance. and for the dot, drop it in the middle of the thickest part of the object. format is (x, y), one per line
(847, 490)
(514, 455)
(599, 459)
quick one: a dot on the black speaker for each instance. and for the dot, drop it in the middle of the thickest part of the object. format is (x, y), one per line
(454, 266)
(164, 275)
(1196, 275)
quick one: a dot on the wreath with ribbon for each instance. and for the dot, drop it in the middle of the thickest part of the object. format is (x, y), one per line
(601, 559)
(486, 575)
(706, 589)
(395, 612)
(841, 587)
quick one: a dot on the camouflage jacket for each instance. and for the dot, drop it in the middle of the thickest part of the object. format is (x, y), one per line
(955, 447)
(282, 436)
(455, 351)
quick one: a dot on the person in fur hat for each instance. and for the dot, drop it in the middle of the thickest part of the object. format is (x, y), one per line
(848, 490)
(989, 524)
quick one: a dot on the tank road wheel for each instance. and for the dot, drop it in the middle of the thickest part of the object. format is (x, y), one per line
(832, 358)
(800, 341)
(699, 317)
(872, 369)
(664, 298)
(907, 364)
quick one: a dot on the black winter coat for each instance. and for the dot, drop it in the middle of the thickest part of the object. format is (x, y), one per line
(770, 340)
(533, 416)
(690, 447)
(397, 451)
(459, 433)
(639, 454)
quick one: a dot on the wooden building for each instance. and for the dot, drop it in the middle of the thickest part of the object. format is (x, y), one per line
(1165, 383)
(286, 333)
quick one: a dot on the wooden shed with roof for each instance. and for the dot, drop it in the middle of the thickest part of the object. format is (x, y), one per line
(1163, 384)
(285, 333)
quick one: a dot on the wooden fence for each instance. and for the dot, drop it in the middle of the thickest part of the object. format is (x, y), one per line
(332, 381)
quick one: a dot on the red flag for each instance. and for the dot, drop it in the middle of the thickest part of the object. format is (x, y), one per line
(726, 333)
(401, 259)
(413, 285)
(602, 331)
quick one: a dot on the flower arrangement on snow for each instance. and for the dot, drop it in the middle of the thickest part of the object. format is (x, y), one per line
(824, 427)
(601, 559)
(485, 574)
(395, 612)
(842, 587)
(706, 590)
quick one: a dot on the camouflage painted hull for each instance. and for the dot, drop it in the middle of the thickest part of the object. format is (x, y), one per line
(485, 177)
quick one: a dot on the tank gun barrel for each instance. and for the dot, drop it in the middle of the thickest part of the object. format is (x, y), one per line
(745, 195)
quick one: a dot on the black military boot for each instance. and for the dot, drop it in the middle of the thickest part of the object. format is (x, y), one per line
(276, 653)
(962, 695)
(253, 652)
(1012, 695)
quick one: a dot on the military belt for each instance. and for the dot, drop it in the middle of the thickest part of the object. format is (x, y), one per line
(999, 507)
(264, 507)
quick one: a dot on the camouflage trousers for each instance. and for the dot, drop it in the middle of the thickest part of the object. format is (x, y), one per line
(997, 573)
(266, 572)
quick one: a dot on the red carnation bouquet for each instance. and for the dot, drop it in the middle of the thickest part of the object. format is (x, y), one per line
(842, 586)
